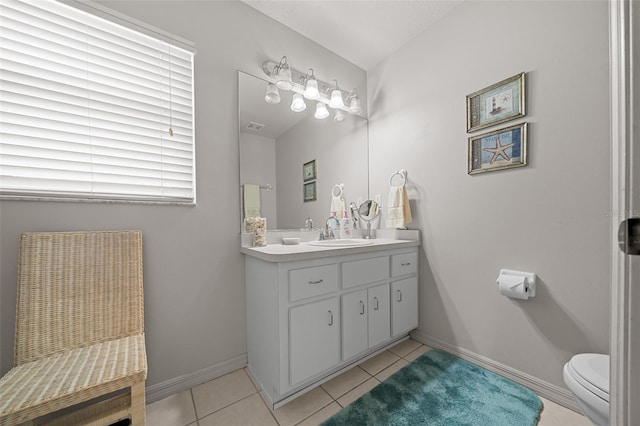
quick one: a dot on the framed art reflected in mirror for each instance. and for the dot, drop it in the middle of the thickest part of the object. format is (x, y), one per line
(309, 171)
(310, 193)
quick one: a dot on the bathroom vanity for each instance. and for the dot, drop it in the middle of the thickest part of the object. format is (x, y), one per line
(314, 311)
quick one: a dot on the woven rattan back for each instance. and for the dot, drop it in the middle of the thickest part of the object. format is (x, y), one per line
(76, 289)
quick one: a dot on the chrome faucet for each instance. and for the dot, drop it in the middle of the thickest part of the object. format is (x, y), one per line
(328, 228)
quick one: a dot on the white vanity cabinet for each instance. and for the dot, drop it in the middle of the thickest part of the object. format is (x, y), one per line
(307, 319)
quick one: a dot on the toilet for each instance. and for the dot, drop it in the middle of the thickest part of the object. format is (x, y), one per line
(587, 377)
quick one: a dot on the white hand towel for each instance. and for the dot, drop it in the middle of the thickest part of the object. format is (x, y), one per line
(398, 210)
(251, 200)
(337, 206)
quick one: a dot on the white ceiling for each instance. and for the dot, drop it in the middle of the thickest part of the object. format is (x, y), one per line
(361, 31)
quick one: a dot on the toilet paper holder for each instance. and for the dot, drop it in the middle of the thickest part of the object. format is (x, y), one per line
(529, 280)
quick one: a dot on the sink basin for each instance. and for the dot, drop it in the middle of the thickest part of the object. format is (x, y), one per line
(340, 243)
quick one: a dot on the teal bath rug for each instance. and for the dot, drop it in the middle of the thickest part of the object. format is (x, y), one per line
(439, 389)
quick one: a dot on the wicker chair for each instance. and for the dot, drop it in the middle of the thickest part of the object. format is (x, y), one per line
(79, 329)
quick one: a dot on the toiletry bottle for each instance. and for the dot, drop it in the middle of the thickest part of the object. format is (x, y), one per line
(345, 226)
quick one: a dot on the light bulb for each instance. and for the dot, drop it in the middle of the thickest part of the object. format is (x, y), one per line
(339, 116)
(355, 106)
(272, 96)
(336, 99)
(321, 111)
(311, 91)
(298, 105)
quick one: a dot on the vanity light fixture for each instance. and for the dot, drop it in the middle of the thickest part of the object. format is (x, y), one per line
(321, 111)
(336, 96)
(308, 86)
(354, 102)
(311, 91)
(283, 73)
(355, 106)
(272, 96)
(298, 105)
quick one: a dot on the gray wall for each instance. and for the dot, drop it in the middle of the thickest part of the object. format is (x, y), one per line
(194, 272)
(549, 217)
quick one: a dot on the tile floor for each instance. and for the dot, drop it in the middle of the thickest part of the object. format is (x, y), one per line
(233, 399)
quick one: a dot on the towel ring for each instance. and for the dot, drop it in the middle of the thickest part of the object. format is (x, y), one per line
(339, 187)
(402, 174)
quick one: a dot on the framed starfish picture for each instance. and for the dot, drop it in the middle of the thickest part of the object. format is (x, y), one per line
(497, 150)
(498, 103)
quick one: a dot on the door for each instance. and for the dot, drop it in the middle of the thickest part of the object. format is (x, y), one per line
(625, 268)
(404, 306)
(633, 190)
(354, 324)
(379, 315)
(314, 339)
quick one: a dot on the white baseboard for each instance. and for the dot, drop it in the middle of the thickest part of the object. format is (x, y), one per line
(544, 389)
(177, 384)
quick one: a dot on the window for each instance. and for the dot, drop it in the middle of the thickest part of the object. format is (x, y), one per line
(90, 109)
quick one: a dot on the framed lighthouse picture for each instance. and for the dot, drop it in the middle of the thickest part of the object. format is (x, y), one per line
(498, 150)
(498, 103)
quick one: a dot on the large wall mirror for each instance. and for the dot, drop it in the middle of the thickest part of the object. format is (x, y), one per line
(275, 144)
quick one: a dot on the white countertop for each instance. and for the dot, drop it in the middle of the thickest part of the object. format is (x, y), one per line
(305, 251)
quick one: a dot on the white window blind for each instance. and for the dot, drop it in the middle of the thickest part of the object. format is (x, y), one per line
(91, 109)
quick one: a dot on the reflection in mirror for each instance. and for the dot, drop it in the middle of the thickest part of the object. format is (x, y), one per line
(368, 212)
(276, 142)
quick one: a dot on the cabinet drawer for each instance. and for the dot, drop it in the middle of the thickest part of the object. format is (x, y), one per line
(314, 281)
(404, 264)
(364, 271)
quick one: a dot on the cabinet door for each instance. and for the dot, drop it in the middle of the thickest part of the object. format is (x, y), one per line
(314, 339)
(379, 315)
(354, 323)
(404, 305)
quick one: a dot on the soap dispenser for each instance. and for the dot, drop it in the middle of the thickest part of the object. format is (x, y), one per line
(345, 226)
